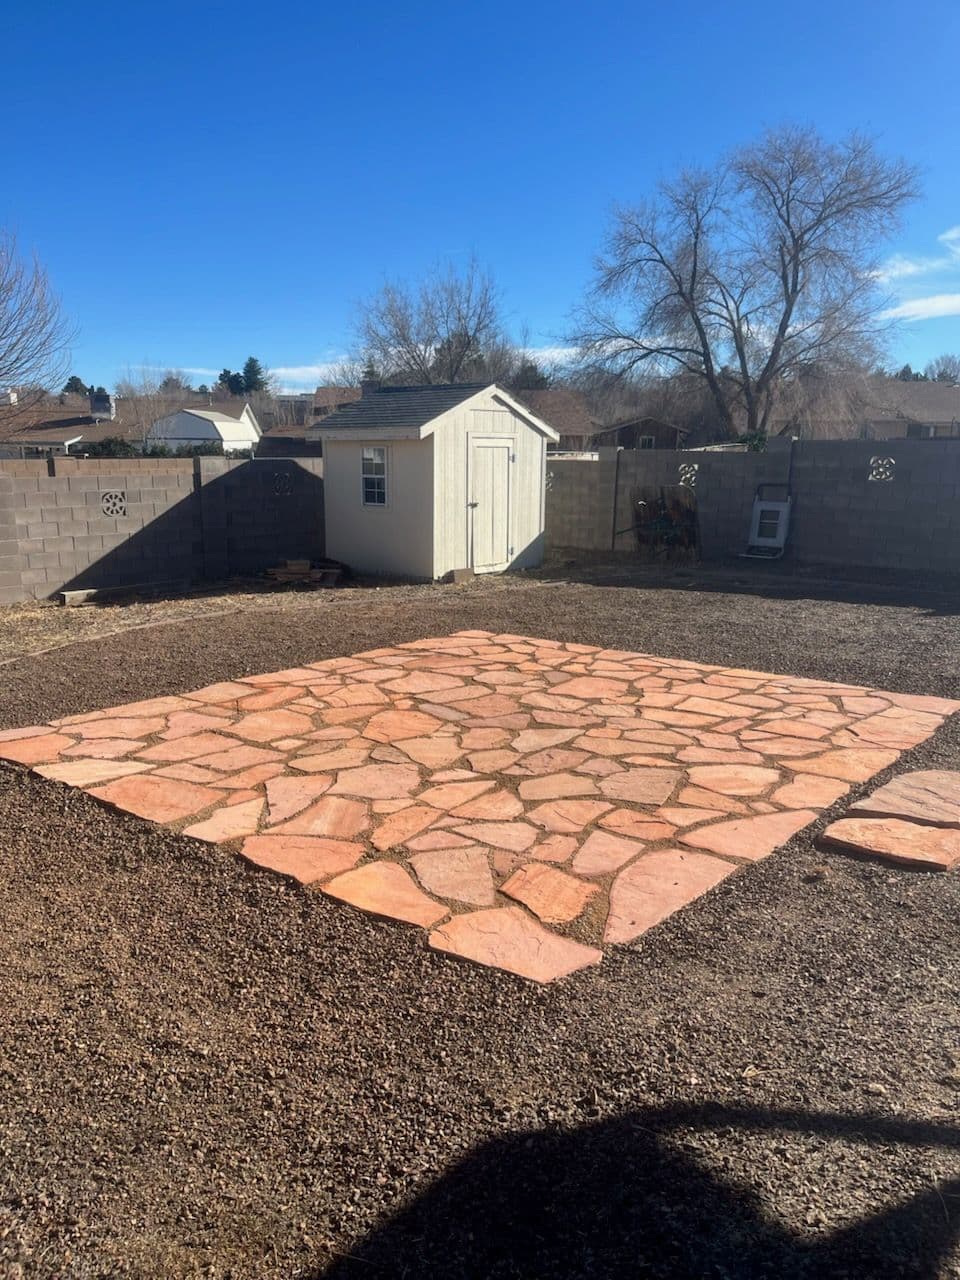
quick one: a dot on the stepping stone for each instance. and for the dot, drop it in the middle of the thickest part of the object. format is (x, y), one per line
(462, 874)
(158, 799)
(433, 753)
(507, 938)
(303, 858)
(655, 886)
(453, 794)
(229, 822)
(906, 844)
(602, 853)
(751, 838)
(386, 889)
(120, 727)
(930, 796)
(552, 895)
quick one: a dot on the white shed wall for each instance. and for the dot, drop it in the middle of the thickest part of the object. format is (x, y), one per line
(395, 539)
(486, 417)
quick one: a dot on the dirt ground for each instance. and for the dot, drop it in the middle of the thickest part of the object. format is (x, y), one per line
(206, 1071)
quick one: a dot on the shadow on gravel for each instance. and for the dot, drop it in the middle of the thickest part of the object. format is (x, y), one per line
(937, 598)
(621, 1198)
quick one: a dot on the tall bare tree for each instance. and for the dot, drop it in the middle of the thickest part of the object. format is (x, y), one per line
(945, 368)
(750, 273)
(445, 329)
(34, 337)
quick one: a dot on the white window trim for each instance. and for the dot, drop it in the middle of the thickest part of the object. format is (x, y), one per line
(376, 506)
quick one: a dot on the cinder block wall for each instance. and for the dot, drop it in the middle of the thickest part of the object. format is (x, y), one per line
(72, 523)
(867, 504)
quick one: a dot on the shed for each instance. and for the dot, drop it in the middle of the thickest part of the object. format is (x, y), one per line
(422, 480)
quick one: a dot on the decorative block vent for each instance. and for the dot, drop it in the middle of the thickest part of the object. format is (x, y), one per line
(882, 468)
(688, 473)
(282, 484)
(113, 502)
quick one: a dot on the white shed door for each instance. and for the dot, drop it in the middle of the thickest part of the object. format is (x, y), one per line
(490, 504)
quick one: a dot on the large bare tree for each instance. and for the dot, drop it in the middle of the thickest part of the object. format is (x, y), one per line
(750, 274)
(34, 337)
(447, 328)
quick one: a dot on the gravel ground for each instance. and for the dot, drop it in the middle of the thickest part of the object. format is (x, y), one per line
(204, 1071)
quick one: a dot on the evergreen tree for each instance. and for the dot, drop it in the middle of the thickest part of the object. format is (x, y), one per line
(232, 383)
(254, 375)
(75, 386)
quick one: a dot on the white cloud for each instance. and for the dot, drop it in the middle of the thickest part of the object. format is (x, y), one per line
(933, 307)
(901, 267)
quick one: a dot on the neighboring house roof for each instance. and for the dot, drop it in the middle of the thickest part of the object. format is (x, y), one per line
(564, 408)
(646, 420)
(890, 400)
(49, 425)
(328, 398)
(211, 415)
(407, 412)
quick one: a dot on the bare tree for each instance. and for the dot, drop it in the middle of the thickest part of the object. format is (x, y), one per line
(945, 368)
(752, 272)
(34, 337)
(446, 329)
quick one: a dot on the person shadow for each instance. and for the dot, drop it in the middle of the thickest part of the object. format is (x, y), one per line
(622, 1198)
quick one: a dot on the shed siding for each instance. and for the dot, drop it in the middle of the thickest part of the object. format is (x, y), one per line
(486, 417)
(186, 428)
(395, 539)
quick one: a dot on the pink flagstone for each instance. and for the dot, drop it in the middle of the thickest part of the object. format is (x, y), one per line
(304, 858)
(507, 938)
(386, 889)
(655, 886)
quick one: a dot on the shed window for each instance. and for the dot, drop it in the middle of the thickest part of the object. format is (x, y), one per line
(374, 474)
(645, 442)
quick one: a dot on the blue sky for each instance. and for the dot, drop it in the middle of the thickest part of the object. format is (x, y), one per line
(206, 180)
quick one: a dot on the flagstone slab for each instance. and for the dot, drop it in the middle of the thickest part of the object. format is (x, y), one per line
(554, 896)
(461, 874)
(929, 796)
(750, 838)
(655, 886)
(158, 799)
(894, 840)
(303, 858)
(459, 772)
(230, 822)
(508, 938)
(386, 889)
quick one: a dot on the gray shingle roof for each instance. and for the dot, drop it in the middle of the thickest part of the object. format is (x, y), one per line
(398, 407)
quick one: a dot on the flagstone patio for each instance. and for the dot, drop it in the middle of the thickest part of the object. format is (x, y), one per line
(526, 801)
